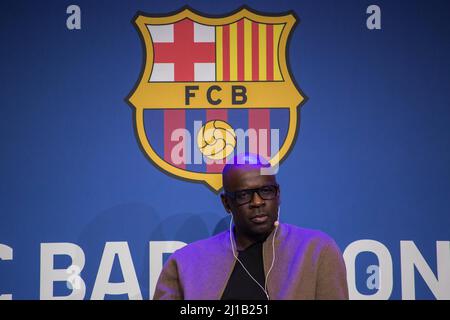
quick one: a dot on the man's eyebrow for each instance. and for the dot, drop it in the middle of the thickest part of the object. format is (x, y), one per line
(250, 187)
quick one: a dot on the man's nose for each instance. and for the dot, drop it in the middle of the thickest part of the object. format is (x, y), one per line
(256, 200)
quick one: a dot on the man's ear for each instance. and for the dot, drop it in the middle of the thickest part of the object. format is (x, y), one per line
(279, 195)
(225, 203)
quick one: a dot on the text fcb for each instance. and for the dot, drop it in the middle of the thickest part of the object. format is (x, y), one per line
(229, 70)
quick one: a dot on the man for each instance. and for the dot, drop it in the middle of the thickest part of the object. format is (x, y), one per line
(260, 258)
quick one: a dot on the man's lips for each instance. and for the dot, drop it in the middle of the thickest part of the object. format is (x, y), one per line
(259, 218)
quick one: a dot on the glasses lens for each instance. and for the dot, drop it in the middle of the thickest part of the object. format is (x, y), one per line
(268, 192)
(243, 196)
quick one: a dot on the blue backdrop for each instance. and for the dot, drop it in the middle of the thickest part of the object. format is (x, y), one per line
(371, 160)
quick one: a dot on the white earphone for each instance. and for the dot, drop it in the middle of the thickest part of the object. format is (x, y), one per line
(276, 224)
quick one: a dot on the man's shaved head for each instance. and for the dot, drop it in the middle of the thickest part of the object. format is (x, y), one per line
(254, 218)
(245, 161)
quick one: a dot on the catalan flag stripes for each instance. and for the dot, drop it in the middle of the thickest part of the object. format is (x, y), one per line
(248, 51)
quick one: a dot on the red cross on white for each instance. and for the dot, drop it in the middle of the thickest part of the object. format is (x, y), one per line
(183, 51)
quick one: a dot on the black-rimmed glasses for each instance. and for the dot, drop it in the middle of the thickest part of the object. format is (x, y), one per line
(245, 196)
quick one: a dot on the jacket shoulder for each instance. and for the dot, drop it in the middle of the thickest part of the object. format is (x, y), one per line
(295, 234)
(202, 247)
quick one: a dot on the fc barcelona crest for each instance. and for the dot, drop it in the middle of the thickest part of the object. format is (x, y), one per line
(212, 87)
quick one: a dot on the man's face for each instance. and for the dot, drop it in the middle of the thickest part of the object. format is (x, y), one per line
(256, 217)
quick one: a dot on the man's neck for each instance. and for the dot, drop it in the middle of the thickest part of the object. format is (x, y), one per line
(243, 241)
